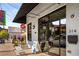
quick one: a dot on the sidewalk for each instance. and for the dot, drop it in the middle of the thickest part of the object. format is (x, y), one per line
(27, 53)
(7, 49)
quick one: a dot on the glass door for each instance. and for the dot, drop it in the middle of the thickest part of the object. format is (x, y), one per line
(57, 37)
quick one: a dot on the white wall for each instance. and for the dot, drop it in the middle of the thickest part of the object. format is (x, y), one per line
(72, 24)
(34, 21)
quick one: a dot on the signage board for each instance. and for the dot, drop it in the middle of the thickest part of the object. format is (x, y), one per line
(73, 39)
(23, 26)
(2, 17)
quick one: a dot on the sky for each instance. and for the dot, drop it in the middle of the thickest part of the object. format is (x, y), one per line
(11, 10)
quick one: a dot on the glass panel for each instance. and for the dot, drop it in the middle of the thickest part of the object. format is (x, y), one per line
(63, 21)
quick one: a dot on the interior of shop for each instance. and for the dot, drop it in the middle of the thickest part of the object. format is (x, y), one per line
(52, 32)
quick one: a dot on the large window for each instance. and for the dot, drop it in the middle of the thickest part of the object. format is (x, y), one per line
(29, 32)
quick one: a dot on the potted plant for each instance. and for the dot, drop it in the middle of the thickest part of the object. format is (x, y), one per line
(3, 36)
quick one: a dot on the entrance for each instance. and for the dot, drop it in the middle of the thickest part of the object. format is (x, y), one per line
(52, 32)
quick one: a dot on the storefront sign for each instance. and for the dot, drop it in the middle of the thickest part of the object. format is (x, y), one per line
(2, 17)
(23, 26)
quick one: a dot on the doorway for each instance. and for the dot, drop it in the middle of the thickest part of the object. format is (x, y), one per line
(58, 37)
(52, 29)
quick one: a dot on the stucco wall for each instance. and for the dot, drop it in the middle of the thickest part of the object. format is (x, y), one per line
(72, 24)
(34, 21)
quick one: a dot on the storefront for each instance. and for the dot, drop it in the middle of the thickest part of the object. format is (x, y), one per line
(54, 31)
(34, 19)
(49, 13)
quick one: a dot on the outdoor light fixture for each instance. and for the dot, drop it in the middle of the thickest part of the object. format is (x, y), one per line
(72, 16)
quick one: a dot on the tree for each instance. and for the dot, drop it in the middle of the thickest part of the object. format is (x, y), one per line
(4, 34)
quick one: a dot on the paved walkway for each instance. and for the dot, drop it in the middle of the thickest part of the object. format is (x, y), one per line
(8, 49)
(54, 51)
(40, 54)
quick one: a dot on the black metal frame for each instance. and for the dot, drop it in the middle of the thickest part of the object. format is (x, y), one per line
(54, 20)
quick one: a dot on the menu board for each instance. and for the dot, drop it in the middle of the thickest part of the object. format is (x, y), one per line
(72, 39)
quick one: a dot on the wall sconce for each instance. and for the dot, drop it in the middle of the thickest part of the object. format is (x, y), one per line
(72, 16)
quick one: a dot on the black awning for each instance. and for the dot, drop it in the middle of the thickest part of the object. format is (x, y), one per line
(23, 11)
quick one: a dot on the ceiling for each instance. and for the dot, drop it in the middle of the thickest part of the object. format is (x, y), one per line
(23, 11)
(36, 10)
(55, 15)
(41, 8)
